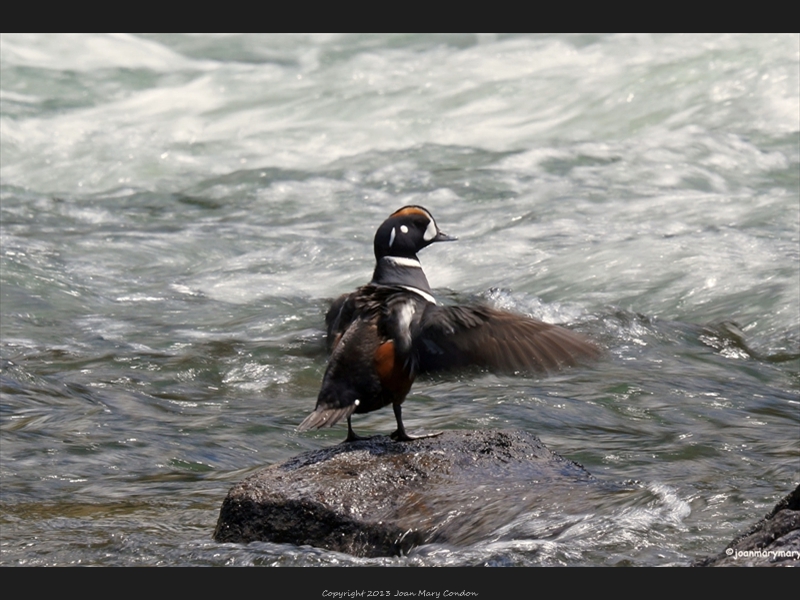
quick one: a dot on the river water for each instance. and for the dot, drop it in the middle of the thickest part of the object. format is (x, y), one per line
(177, 212)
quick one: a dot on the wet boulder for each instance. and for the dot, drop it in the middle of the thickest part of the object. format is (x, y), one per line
(772, 542)
(378, 497)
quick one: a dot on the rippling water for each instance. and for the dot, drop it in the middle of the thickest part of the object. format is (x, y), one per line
(177, 212)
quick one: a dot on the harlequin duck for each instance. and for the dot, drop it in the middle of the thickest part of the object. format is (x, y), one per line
(387, 332)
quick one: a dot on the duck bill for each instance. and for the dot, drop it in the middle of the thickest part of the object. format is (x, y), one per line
(441, 236)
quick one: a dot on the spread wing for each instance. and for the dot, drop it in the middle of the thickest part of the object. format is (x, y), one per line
(451, 337)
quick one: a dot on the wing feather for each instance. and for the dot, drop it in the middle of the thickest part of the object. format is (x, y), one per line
(452, 337)
(325, 417)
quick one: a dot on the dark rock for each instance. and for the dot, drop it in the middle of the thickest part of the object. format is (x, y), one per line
(772, 542)
(378, 497)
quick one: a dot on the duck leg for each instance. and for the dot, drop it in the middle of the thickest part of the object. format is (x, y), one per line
(352, 436)
(400, 435)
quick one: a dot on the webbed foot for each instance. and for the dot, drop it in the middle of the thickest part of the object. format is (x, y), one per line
(402, 436)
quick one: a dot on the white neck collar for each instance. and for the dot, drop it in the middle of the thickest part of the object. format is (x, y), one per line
(403, 262)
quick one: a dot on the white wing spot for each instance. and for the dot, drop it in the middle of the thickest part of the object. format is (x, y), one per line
(404, 318)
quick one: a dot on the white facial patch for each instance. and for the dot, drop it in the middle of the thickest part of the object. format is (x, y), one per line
(391, 236)
(430, 232)
(403, 228)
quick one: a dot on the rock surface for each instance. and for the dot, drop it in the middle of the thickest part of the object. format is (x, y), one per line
(772, 542)
(378, 497)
